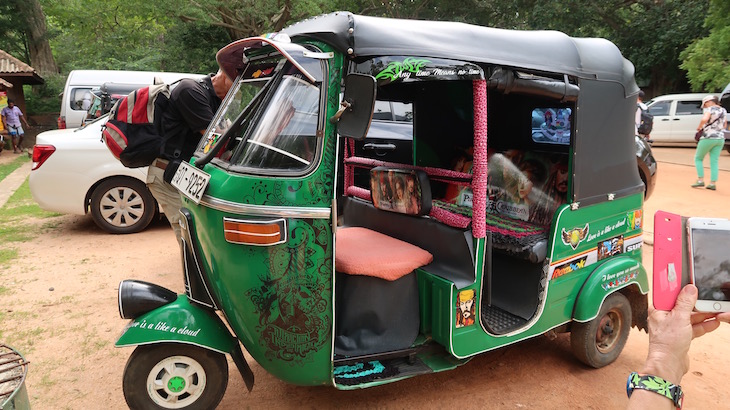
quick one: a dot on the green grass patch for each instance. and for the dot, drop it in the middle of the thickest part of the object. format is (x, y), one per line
(7, 169)
(7, 255)
(14, 217)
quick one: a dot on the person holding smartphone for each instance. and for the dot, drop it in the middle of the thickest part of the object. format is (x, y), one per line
(657, 385)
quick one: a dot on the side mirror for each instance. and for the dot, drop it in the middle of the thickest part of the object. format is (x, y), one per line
(357, 106)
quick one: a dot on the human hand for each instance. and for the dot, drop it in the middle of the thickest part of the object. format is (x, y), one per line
(670, 335)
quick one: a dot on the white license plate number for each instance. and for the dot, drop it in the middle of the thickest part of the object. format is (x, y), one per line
(191, 181)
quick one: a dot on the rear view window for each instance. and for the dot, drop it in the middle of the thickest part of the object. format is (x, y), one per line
(551, 125)
(689, 107)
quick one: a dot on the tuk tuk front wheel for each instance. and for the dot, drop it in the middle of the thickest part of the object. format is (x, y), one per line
(600, 341)
(174, 376)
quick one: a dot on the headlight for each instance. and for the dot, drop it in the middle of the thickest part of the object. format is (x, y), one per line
(137, 297)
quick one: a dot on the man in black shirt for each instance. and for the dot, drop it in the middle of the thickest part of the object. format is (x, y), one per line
(193, 103)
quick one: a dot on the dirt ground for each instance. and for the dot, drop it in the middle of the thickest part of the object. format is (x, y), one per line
(61, 313)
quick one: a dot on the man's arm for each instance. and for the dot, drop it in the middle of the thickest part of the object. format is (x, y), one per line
(670, 335)
(22, 118)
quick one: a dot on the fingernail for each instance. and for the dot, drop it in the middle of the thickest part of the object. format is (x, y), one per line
(690, 289)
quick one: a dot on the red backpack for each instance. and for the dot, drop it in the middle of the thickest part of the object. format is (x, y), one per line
(133, 132)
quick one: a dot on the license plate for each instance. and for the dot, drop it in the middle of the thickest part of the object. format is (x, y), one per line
(190, 181)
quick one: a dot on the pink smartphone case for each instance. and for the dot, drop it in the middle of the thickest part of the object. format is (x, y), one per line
(667, 259)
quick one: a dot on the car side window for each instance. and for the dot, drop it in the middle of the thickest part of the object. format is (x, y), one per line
(660, 108)
(382, 111)
(80, 99)
(402, 111)
(689, 107)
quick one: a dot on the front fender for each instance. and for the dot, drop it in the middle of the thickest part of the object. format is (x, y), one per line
(182, 322)
(614, 274)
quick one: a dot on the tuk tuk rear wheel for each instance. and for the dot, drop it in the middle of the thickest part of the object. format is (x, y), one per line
(174, 376)
(598, 342)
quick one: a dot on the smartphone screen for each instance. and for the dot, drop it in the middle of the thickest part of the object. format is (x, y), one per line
(711, 263)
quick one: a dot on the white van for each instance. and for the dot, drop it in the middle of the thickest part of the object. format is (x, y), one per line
(76, 96)
(676, 117)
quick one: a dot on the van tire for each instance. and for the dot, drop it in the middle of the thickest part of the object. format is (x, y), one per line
(122, 205)
(600, 341)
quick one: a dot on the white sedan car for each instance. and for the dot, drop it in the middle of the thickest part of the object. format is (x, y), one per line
(74, 173)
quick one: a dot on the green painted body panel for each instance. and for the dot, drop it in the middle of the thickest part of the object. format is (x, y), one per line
(278, 299)
(607, 278)
(435, 306)
(604, 220)
(619, 219)
(182, 322)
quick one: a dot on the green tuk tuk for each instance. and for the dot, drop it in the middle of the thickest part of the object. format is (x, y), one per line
(517, 210)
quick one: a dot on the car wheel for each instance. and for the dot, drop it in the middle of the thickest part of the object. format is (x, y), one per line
(598, 342)
(174, 376)
(122, 205)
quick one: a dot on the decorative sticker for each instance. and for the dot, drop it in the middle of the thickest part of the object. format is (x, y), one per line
(632, 243)
(465, 308)
(210, 141)
(635, 219)
(615, 280)
(570, 267)
(408, 68)
(574, 236)
(610, 227)
(164, 327)
(404, 69)
(610, 247)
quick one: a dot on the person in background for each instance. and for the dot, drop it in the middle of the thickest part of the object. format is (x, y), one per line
(640, 106)
(12, 116)
(86, 101)
(670, 335)
(712, 140)
(193, 104)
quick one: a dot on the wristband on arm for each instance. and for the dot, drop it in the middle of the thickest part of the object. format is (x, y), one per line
(657, 385)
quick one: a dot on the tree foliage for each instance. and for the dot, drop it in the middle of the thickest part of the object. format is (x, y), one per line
(248, 18)
(174, 35)
(707, 60)
(23, 33)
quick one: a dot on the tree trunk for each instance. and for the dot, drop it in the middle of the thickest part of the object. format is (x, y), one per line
(41, 57)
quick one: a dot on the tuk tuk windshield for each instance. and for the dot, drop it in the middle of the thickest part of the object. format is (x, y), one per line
(273, 127)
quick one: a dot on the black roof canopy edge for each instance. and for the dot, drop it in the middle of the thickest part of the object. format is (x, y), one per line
(547, 51)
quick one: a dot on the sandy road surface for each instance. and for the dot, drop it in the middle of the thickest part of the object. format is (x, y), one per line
(61, 313)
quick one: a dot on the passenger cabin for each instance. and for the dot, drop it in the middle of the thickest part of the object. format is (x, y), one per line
(499, 139)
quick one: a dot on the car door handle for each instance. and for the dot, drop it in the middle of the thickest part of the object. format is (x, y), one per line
(675, 119)
(379, 147)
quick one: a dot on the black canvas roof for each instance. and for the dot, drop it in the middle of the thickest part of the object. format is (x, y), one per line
(547, 51)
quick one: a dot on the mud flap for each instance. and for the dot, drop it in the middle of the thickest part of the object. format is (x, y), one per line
(243, 367)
